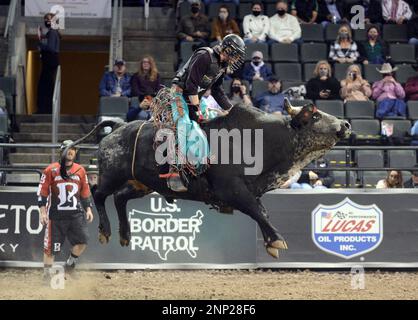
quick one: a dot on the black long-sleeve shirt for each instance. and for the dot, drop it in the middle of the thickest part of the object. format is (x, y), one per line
(51, 42)
(316, 85)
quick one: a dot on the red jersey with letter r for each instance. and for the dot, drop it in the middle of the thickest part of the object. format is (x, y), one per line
(64, 195)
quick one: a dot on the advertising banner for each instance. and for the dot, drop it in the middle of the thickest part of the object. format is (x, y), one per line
(71, 8)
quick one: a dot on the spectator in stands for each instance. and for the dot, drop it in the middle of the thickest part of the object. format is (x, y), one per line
(323, 85)
(147, 80)
(223, 25)
(116, 83)
(354, 87)
(411, 86)
(194, 27)
(210, 100)
(256, 25)
(315, 179)
(141, 111)
(389, 94)
(396, 11)
(372, 10)
(413, 28)
(284, 27)
(272, 101)
(374, 50)
(344, 49)
(256, 69)
(393, 180)
(238, 93)
(413, 181)
(306, 11)
(330, 11)
(49, 46)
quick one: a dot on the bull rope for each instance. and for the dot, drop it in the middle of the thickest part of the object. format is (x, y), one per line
(134, 154)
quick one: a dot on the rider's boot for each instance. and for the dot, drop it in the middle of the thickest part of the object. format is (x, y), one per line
(174, 181)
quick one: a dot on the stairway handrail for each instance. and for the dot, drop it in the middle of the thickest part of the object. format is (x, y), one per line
(56, 109)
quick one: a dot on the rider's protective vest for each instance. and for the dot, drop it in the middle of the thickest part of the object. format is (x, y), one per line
(214, 72)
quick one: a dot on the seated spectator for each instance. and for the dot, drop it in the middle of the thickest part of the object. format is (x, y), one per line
(116, 83)
(284, 27)
(141, 111)
(396, 11)
(147, 80)
(194, 27)
(393, 180)
(238, 93)
(210, 100)
(306, 11)
(256, 25)
(344, 49)
(389, 94)
(413, 28)
(256, 69)
(330, 11)
(413, 181)
(323, 86)
(272, 101)
(315, 179)
(374, 50)
(223, 25)
(354, 87)
(411, 86)
(372, 10)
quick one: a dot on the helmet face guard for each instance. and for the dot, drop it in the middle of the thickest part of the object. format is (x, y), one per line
(233, 46)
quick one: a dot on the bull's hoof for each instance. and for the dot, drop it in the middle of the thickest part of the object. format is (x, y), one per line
(273, 252)
(104, 239)
(279, 244)
(124, 242)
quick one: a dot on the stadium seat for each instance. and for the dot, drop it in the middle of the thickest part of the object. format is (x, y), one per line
(360, 35)
(366, 129)
(227, 86)
(359, 109)
(4, 124)
(340, 179)
(336, 158)
(186, 50)
(413, 109)
(395, 33)
(332, 107)
(270, 9)
(371, 74)
(402, 158)
(340, 70)
(402, 53)
(331, 32)
(251, 47)
(312, 32)
(308, 70)
(404, 72)
(244, 9)
(401, 128)
(313, 52)
(282, 52)
(370, 158)
(288, 71)
(371, 178)
(259, 87)
(114, 106)
(8, 85)
(300, 103)
(288, 84)
(214, 9)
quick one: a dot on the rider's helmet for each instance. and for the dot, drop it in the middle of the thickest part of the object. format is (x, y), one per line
(234, 47)
(65, 144)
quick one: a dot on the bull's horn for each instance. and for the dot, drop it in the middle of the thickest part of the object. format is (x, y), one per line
(289, 108)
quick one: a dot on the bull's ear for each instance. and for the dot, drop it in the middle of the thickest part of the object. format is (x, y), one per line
(289, 109)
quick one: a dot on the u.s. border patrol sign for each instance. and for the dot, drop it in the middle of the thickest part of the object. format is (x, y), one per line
(347, 229)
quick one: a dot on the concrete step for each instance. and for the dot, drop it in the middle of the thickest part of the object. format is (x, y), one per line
(44, 127)
(154, 12)
(42, 158)
(154, 24)
(47, 137)
(46, 118)
(161, 50)
(159, 34)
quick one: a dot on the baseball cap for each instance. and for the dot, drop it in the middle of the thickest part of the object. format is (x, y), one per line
(119, 62)
(415, 172)
(257, 54)
(274, 79)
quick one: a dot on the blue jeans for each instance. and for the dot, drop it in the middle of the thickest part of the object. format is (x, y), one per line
(390, 108)
(297, 41)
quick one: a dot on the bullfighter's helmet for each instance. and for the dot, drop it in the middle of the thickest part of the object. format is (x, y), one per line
(234, 47)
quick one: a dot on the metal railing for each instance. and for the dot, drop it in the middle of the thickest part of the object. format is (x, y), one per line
(116, 36)
(10, 33)
(56, 108)
(11, 16)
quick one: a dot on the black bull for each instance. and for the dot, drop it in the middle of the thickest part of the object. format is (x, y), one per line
(288, 146)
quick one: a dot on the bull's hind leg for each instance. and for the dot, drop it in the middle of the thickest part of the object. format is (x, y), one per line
(131, 190)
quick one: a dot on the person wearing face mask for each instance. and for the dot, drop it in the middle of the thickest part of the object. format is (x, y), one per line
(194, 27)
(272, 101)
(306, 11)
(344, 49)
(49, 47)
(116, 83)
(330, 11)
(396, 11)
(323, 85)
(256, 69)
(374, 50)
(354, 87)
(256, 25)
(239, 94)
(284, 27)
(224, 25)
(389, 94)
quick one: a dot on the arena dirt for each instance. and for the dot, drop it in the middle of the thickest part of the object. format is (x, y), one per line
(225, 284)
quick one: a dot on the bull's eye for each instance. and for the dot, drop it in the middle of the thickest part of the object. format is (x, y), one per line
(316, 116)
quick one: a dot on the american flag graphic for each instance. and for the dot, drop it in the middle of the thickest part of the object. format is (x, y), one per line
(326, 215)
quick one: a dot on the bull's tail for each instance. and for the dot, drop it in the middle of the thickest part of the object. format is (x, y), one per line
(105, 123)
